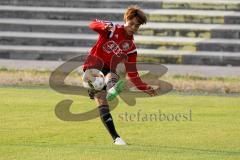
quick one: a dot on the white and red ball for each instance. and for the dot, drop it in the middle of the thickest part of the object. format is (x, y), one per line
(93, 79)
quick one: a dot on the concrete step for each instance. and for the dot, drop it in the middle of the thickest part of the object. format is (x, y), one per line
(188, 44)
(219, 45)
(189, 57)
(204, 71)
(202, 4)
(229, 31)
(153, 4)
(114, 14)
(144, 55)
(150, 29)
(147, 42)
(41, 52)
(195, 16)
(40, 25)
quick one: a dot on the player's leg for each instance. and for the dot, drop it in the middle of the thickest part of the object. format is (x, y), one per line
(105, 114)
(114, 85)
(106, 117)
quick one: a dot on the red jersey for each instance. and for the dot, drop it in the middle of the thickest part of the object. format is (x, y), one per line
(112, 43)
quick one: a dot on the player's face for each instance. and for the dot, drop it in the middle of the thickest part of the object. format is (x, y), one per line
(131, 26)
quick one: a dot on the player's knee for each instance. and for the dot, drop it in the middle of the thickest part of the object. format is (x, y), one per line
(101, 102)
(101, 98)
(110, 80)
(110, 76)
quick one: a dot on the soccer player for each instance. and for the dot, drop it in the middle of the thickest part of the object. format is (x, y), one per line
(115, 44)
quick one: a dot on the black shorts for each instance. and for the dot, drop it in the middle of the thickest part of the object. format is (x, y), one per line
(105, 71)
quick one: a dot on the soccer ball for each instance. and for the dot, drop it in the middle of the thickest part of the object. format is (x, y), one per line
(93, 79)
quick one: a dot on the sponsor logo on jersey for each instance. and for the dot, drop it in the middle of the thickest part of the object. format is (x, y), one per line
(113, 47)
(125, 45)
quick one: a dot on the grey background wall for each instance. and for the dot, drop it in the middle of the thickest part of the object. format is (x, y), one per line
(203, 32)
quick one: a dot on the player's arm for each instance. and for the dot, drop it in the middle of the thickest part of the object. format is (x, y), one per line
(101, 26)
(133, 75)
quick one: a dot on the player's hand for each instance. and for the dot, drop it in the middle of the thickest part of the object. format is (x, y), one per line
(109, 27)
(151, 91)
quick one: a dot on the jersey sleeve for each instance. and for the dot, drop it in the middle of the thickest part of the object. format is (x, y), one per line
(100, 26)
(132, 72)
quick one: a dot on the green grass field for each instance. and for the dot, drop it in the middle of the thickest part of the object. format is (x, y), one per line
(30, 130)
